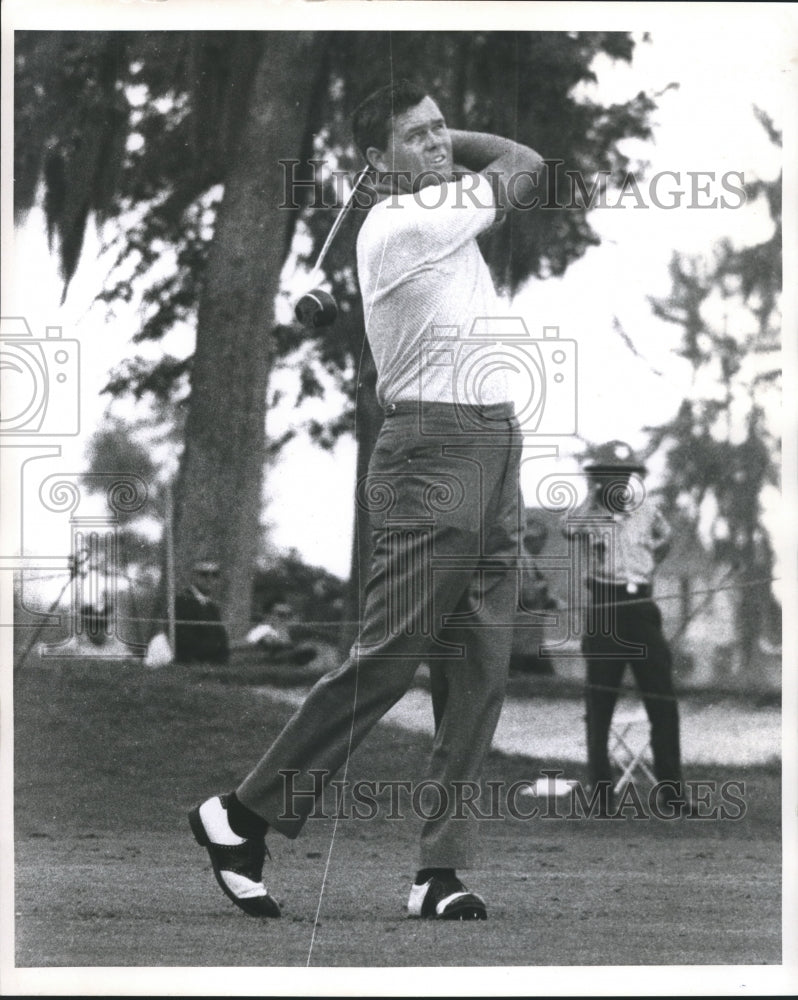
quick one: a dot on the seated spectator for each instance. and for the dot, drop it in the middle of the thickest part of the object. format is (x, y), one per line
(200, 636)
(273, 635)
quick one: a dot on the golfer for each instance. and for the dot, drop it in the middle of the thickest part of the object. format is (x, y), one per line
(442, 496)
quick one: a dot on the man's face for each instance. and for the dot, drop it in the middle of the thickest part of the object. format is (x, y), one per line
(206, 580)
(608, 488)
(419, 144)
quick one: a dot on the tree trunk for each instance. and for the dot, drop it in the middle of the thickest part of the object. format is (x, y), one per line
(218, 501)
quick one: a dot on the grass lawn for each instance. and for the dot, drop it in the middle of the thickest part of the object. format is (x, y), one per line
(109, 757)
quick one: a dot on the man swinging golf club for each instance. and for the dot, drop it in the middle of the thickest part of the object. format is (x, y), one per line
(441, 493)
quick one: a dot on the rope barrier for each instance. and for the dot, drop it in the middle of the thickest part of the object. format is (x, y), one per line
(588, 603)
(705, 591)
(619, 690)
(677, 597)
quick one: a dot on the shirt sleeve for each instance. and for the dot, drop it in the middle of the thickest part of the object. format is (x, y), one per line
(661, 534)
(440, 218)
(659, 528)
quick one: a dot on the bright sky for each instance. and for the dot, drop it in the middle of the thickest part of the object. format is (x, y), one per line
(707, 124)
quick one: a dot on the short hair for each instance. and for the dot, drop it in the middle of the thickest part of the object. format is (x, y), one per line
(371, 120)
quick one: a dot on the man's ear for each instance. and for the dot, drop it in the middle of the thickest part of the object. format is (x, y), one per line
(376, 158)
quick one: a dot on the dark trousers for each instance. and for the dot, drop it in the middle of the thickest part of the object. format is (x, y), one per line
(619, 620)
(443, 504)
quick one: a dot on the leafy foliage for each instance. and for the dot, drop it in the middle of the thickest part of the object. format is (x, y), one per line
(721, 451)
(140, 128)
(113, 448)
(314, 594)
(70, 129)
(128, 448)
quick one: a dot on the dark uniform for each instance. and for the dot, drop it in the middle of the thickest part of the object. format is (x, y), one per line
(624, 540)
(200, 636)
(535, 598)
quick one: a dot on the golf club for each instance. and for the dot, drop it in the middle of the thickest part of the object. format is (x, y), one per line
(317, 307)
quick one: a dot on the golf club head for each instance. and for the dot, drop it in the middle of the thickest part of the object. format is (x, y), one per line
(316, 308)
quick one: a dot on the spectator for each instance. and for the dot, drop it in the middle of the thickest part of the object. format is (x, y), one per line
(273, 635)
(625, 537)
(200, 636)
(535, 598)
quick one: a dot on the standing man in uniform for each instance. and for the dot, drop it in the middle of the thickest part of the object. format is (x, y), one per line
(625, 539)
(442, 495)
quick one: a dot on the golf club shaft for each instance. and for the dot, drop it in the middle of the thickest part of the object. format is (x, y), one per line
(339, 219)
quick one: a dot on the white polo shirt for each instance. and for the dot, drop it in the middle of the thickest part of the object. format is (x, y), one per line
(424, 282)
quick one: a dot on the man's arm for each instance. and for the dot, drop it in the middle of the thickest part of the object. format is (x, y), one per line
(660, 537)
(516, 168)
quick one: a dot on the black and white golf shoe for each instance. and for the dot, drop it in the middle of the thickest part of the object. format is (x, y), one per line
(237, 862)
(445, 899)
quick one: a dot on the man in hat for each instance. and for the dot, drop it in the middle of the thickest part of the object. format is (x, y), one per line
(200, 636)
(625, 536)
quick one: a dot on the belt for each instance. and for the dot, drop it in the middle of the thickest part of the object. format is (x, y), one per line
(620, 590)
(488, 410)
